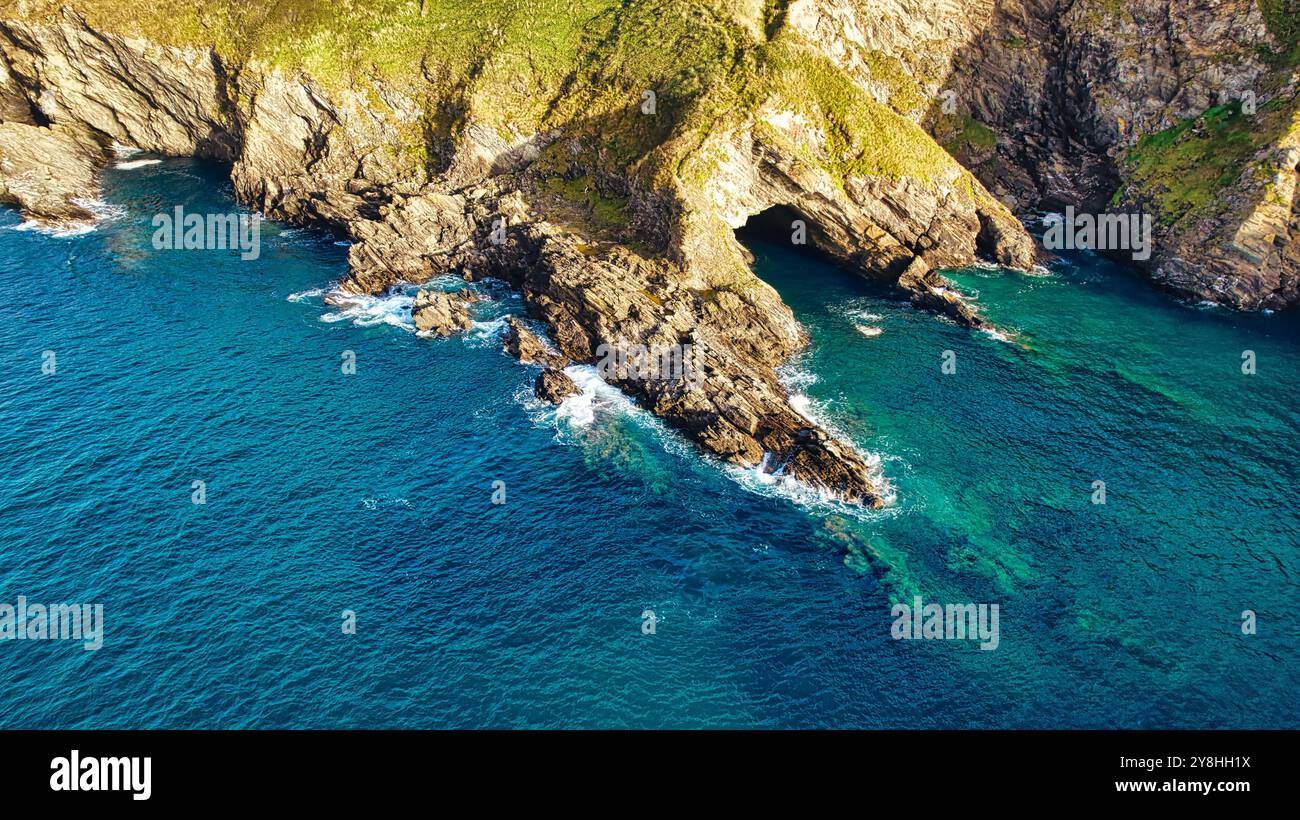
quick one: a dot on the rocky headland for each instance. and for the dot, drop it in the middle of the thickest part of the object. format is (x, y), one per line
(599, 156)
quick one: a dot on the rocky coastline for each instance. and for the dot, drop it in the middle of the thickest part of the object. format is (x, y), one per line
(619, 231)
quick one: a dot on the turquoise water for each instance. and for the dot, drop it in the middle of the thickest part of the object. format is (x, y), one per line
(373, 492)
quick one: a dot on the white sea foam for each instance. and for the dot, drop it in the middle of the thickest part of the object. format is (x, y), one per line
(580, 409)
(760, 481)
(583, 415)
(304, 295)
(130, 165)
(61, 231)
(794, 378)
(802, 405)
(870, 331)
(1000, 335)
(377, 503)
(100, 212)
(487, 331)
(862, 311)
(367, 311)
(393, 309)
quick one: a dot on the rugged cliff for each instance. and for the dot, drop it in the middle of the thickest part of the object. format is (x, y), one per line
(599, 155)
(1183, 109)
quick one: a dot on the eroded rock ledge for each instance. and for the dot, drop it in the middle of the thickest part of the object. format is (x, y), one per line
(48, 173)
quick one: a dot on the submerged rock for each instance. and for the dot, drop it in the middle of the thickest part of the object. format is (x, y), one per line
(554, 386)
(930, 291)
(442, 314)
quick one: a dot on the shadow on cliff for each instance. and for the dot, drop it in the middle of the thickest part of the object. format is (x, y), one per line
(1010, 111)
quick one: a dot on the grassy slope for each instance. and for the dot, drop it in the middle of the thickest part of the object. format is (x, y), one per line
(1183, 170)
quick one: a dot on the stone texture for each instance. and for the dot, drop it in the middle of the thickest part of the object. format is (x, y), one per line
(442, 314)
(527, 347)
(47, 173)
(1047, 75)
(1070, 86)
(554, 386)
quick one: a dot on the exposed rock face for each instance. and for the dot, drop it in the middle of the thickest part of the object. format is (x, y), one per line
(554, 386)
(324, 159)
(442, 314)
(1235, 244)
(167, 100)
(875, 225)
(47, 173)
(416, 237)
(1075, 80)
(304, 157)
(525, 346)
(1070, 89)
(726, 394)
(932, 292)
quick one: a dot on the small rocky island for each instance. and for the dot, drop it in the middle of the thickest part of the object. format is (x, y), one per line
(599, 162)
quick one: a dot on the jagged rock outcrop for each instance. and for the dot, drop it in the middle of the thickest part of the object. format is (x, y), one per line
(1236, 240)
(415, 237)
(527, 347)
(726, 394)
(47, 173)
(137, 93)
(1087, 103)
(442, 314)
(876, 225)
(554, 386)
(930, 291)
(540, 210)
(1067, 81)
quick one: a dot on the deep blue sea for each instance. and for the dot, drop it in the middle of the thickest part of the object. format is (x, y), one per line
(372, 492)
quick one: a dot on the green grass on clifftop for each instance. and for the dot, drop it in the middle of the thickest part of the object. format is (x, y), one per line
(864, 137)
(580, 67)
